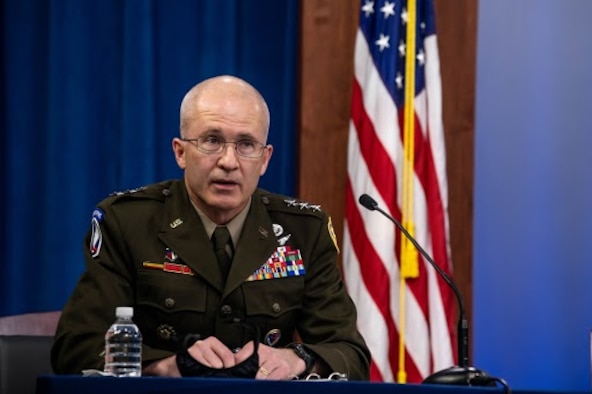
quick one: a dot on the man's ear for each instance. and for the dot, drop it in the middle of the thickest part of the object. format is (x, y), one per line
(266, 158)
(179, 151)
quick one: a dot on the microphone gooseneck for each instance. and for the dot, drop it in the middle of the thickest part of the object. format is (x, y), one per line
(462, 374)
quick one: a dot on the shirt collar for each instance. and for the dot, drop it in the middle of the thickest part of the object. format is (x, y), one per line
(235, 226)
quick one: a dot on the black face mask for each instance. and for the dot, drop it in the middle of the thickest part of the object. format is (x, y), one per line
(188, 366)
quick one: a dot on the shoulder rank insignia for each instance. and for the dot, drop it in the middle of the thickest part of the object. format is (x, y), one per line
(302, 205)
(129, 191)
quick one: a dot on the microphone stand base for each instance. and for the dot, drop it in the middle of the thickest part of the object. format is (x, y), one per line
(460, 376)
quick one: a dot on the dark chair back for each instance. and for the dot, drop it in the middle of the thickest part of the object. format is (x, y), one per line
(25, 345)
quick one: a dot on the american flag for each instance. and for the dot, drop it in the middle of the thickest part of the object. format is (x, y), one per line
(406, 312)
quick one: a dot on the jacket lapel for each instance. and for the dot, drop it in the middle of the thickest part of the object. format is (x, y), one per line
(257, 243)
(183, 232)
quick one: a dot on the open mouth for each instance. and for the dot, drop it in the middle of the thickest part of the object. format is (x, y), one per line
(224, 183)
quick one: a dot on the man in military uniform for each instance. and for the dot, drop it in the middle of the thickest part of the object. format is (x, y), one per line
(211, 257)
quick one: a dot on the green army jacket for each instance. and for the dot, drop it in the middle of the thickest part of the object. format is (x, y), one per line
(147, 248)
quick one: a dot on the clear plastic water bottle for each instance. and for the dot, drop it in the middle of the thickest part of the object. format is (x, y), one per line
(123, 345)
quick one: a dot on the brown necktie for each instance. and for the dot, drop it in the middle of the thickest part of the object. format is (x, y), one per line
(220, 239)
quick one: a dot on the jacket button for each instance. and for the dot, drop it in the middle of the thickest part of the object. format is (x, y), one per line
(265, 200)
(226, 310)
(169, 303)
(276, 307)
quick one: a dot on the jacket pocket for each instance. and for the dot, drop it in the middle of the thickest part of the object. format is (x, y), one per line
(170, 306)
(274, 305)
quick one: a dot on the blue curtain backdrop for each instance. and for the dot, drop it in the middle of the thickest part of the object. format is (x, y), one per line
(91, 93)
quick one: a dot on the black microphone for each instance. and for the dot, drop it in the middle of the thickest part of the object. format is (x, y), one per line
(462, 374)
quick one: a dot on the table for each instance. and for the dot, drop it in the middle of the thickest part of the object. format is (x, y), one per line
(65, 384)
(76, 384)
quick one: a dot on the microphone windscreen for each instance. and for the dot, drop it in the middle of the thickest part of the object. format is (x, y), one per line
(368, 202)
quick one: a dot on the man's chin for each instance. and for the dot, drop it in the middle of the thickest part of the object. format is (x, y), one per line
(225, 203)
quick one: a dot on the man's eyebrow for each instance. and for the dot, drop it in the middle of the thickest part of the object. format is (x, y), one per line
(212, 131)
(244, 135)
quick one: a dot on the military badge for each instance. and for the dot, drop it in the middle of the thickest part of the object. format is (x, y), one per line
(282, 241)
(166, 332)
(277, 229)
(169, 255)
(176, 223)
(272, 337)
(263, 231)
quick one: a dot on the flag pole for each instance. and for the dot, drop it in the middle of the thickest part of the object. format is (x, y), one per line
(409, 262)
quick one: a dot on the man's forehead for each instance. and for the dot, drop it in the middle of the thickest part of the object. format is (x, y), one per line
(251, 127)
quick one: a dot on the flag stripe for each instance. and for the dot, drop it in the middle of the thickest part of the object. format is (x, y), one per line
(372, 151)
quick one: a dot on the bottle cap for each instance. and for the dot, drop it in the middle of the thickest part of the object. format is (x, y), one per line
(124, 311)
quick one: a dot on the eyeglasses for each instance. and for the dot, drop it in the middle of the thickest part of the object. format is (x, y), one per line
(211, 144)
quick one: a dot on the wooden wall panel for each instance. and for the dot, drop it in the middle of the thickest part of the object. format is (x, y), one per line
(456, 24)
(326, 70)
(328, 29)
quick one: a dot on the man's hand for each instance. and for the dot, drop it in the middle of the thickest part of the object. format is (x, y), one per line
(209, 352)
(212, 353)
(274, 364)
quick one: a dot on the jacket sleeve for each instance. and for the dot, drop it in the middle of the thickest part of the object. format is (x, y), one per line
(328, 323)
(106, 284)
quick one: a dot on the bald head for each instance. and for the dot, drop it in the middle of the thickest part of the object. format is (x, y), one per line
(228, 113)
(220, 91)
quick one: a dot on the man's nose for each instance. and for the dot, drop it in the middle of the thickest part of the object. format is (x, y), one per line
(229, 156)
